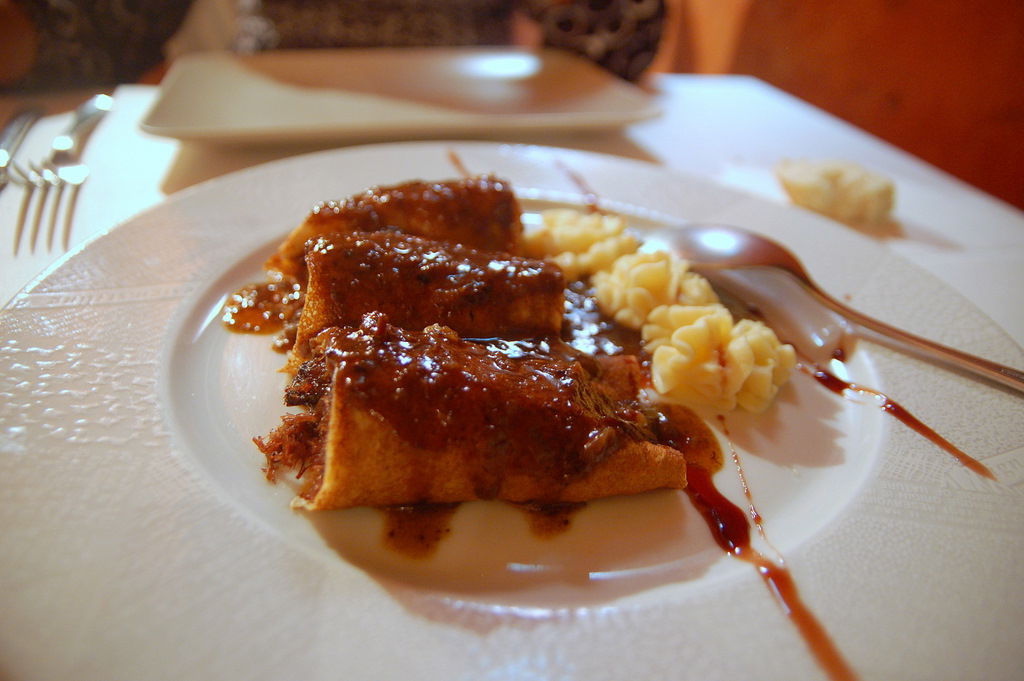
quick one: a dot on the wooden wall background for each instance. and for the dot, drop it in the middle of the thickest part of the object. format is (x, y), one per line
(942, 79)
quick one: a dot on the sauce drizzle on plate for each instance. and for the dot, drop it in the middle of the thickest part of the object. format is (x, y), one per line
(891, 406)
(731, 530)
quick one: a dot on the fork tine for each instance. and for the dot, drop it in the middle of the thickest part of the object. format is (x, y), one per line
(26, 199)
(54, 209)
(31, 181)
(37, 221)
(69, 215)
(63, 166)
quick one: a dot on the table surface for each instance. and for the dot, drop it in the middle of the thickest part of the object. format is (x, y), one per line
(136, 541)
(733, 129)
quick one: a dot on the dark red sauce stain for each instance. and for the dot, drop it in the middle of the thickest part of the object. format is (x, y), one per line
(755, 516)
(890, 406)
(416, 531)
(731, 531)
(264, 307)
(550, 520)
(456, 160)
(590, 197)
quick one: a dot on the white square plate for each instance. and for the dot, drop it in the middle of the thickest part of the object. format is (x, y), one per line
(360, 94)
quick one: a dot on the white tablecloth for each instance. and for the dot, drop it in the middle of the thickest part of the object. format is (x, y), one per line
(133, 549)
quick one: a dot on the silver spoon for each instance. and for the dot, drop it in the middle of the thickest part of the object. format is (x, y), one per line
(724, 247)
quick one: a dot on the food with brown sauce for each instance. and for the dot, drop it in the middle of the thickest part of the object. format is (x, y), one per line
(418, 282)
(407, 414)
(478, 212)
(435, 365)
(428, 417)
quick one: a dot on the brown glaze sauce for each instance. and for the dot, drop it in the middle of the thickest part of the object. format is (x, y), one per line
(418, 382)
(892, 407)
(416, 531)
(266, 307)
(550, 520)
(417, 282)
(479, 212)
(589, 332)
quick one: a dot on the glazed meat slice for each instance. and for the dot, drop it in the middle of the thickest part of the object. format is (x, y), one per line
(618, 378)
(418, 282)
(480, 212)
(424, 416)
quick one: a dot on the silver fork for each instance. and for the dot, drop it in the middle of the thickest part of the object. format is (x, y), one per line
(11, 138)
(63, 167)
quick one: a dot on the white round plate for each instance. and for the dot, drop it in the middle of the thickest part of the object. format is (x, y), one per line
(141, 541)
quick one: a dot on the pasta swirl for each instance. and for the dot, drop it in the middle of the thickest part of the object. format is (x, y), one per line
(639, 282)
(702, 358)
(580, 243)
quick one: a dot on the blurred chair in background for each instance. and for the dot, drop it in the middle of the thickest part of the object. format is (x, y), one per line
(50, 45)
(620, 35)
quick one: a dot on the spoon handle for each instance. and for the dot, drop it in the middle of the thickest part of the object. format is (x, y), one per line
(999, 373)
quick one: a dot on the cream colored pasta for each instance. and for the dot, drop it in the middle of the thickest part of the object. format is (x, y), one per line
(700, 357)
(639, 282)
(580, 243)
